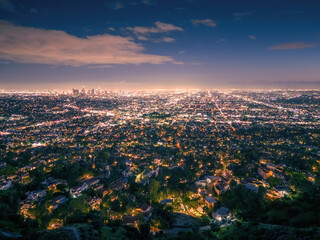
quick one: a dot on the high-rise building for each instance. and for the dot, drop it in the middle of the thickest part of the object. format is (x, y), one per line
(75, 92)
(83, 91)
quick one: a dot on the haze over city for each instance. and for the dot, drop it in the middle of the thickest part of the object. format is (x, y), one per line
(159, 44)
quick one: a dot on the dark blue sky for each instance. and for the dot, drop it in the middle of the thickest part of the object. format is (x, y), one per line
(159, 44)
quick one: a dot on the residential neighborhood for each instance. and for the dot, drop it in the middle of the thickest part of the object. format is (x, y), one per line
(165, 160)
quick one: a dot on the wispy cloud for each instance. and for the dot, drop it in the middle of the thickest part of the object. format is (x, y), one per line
(117, 5)
(149, 2)
(159, 27)
(195, 64)
(156, 40)
(206, 22)
(34, 11)
(168, 39)
(252, 37)
(100, 66)
(7, 5)
(144, 33)
(221, 40)
(290, 46)
(34, 45)
(239, 15)
(120, 4)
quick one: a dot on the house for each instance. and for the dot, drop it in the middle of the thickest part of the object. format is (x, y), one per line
(145, 181)
(201, 183)
(271, 166)
(58, 223)
(52, 184)
(281, 191)
(252, 187)
(223, 217)
(47, 181)
(166, 201)
(95, 203)
(92, 181)
(211, 179)
(25, 205)
(56, 201)
(2, 165)
(118, 185)
(210, 201)
(98, 187)
(126, 173)
(265, 173)
(202, 192)
(221, 187)
(36, 195)
(251, 166)
(76, 191)
(130, 220)
(105, 191)
(14, 178)
(221, 213)
(4, 185)
(200, 210)
(146, 209)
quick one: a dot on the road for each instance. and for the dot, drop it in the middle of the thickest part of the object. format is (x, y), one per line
(75, 231)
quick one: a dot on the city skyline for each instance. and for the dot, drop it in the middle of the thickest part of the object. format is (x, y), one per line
(147, 44)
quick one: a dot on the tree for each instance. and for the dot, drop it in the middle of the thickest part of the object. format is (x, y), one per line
(215, 225)
(144, 229)
(244, 202)
(115, 206)
(154, 188)
(164, 214)
(274, 181)
(59, 234)
(41, 214)
(79, 204)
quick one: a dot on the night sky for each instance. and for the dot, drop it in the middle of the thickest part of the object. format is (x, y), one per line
(136, 44)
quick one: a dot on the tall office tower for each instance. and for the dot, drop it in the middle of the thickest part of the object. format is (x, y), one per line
(75, 92)
(83, 91)
(92, 91)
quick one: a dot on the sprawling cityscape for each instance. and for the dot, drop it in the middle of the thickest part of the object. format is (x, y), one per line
(96, 164)
(159, 120)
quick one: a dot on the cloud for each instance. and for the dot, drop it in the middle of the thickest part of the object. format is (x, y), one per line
(168, 39)
(159, 27)
(206, 22)
(149, 2)
(164, 39)
(34, 45)
(6, 5)
(34, 11)
(289, 46)
(195, 64)
(117, 5)
(179, 63)
(166, 27)
(239, 15)
(221, 40)
(120, 4)
(252, 37)
(142, 38)
(100, 66)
